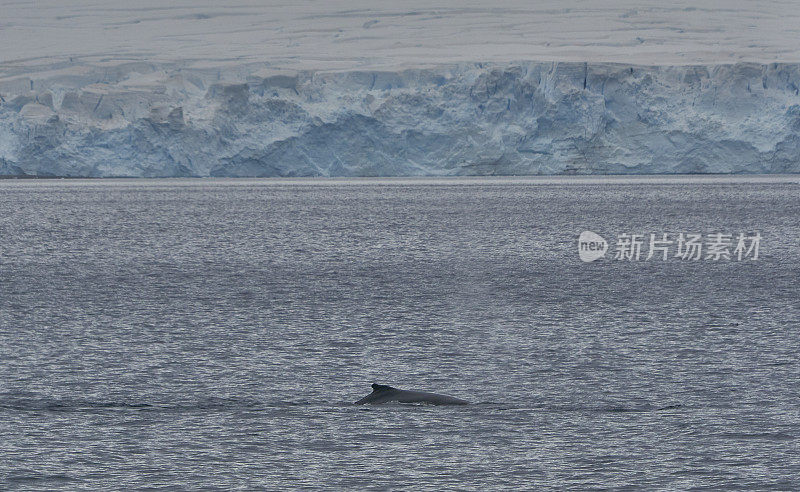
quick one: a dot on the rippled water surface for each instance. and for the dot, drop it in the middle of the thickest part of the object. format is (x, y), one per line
(202, 334)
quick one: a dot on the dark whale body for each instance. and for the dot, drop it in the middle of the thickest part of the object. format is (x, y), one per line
(385, 394)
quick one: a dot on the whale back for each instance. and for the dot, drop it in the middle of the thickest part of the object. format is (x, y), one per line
(382, 393)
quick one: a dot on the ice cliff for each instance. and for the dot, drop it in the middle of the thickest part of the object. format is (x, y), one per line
(146, 119)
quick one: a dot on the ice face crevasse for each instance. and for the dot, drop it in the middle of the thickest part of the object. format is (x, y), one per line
(148, 120)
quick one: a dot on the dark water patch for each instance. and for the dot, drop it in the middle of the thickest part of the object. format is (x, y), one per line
(747, 436)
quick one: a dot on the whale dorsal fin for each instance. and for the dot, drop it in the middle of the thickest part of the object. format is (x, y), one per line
(380, 387)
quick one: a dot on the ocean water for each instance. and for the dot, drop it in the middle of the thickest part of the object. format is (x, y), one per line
(202, 334)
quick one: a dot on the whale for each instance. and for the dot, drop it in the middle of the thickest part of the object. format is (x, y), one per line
(382, 393)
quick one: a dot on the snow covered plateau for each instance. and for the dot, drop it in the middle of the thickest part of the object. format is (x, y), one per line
(343, 89)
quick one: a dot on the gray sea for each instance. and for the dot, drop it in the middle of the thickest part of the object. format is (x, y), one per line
(213, 334)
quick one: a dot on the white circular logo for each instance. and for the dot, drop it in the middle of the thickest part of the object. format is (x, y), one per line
(591, 246)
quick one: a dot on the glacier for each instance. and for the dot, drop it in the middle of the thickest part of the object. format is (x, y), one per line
(147, 119)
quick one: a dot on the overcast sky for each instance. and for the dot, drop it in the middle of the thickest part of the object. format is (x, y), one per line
(369, 33)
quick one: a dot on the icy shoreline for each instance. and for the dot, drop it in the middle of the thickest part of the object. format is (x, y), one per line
(149, 120)
(356, 87)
